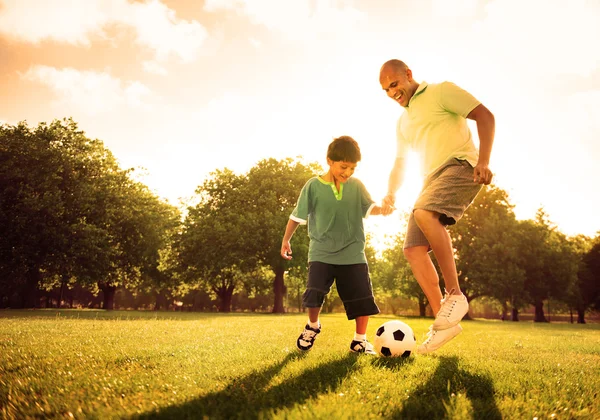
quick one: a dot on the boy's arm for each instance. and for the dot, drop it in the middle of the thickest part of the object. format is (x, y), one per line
(378, 210)
(286, 248)
(485, 129)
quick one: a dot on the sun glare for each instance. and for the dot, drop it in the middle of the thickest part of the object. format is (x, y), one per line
(380, 228)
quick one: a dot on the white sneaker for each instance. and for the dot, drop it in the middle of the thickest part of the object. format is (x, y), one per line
(362, 347)
(437, 338)
(307, 338)
(454, 308)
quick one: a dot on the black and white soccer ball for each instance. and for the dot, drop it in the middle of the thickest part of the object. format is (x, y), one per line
(394, 338)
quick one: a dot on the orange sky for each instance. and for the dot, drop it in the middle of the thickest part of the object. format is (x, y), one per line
(183, 87)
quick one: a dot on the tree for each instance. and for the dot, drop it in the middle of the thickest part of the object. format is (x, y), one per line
(271, 193)
(212, 246)
(68, 213)
(394, 275)
(549, 262)
(487, 258)
(587, 287)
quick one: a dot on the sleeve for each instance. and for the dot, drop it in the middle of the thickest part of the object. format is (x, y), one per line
(366, 202)
(401, 145)
(457, 100)
(303, 206)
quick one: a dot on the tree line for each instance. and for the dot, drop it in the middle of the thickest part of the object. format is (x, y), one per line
(78, 230)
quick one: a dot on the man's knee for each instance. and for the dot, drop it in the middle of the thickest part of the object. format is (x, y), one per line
(416, 253)
(425, 216)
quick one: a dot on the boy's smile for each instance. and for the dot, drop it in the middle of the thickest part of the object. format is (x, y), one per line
(341, 171)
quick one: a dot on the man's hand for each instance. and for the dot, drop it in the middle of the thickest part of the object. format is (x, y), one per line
(286, 250)
(482, 174)
(388, 204)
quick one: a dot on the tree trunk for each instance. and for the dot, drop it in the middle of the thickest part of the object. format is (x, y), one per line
(571, 314)
(515, 315)
(539, 312)
(279, 290)
(225, 294)
(108, 302)
(504, 316)
(30, 289)
(422, 308)
(63, 284)
(580, 315)
(161, 301)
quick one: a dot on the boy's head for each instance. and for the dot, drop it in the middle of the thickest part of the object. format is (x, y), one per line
(344, 149)
(343, 155)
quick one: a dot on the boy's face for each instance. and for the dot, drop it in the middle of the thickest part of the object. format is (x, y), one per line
(341, 171)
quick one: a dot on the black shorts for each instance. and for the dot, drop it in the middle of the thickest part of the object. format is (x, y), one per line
(353, 284)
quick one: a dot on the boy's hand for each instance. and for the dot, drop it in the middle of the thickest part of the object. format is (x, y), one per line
(388, 204)
(286, 250)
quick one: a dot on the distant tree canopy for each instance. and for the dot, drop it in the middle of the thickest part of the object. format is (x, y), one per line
(238, 224)
(68, 213)
(72, 220)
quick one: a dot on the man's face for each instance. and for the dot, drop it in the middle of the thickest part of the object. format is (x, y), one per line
(397, 84)
(341, 171)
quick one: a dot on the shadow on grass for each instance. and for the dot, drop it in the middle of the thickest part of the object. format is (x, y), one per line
(431, 399)
(249, 397)
(392, 363)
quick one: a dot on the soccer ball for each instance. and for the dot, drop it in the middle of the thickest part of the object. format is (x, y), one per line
(394, 338)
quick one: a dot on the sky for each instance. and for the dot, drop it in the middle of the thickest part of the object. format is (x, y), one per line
(181, 88)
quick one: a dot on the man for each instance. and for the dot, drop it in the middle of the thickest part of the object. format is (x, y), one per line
(434, 125)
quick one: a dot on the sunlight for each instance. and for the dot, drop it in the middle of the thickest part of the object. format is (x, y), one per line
(382, 228)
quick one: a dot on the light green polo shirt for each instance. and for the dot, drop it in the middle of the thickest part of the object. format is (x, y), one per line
(335, 220)
(434, 125)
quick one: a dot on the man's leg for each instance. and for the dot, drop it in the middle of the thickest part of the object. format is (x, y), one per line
(454, 306)
(426, 274)
(441, 244)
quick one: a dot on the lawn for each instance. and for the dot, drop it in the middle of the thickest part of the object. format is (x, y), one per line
(96, 364)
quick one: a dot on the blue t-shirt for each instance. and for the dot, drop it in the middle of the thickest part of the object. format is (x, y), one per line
(335, 220)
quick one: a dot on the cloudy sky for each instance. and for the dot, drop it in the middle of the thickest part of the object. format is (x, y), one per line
(184, 87)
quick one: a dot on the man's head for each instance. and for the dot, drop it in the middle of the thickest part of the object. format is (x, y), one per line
(343, 154)
(396, 79)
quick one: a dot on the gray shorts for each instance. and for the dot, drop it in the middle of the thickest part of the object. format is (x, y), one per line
(448, 191)
(353, 284)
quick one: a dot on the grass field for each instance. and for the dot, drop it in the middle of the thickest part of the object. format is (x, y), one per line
(95, 364)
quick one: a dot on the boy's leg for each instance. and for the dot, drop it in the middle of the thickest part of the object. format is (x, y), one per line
(320, 279)
(353, 283)
(360, 344)
(307, 338)
(361, 324)
(313, 315)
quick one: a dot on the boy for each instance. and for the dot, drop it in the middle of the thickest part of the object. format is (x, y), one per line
(334, 206)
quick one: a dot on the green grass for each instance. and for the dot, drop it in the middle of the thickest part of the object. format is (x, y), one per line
(95, 364)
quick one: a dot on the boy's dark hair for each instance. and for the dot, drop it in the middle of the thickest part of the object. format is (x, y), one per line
(344, 149)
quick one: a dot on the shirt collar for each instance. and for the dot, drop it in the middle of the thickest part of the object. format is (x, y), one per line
(419, 90)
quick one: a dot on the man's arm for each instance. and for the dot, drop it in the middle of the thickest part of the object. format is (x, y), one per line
(394, 184)
(486, 125)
